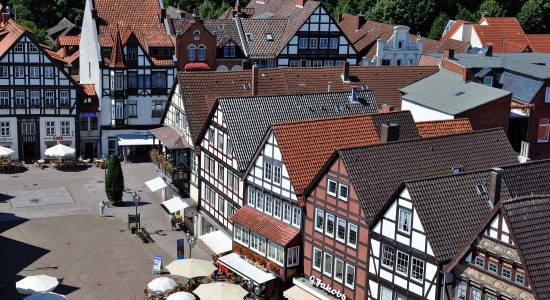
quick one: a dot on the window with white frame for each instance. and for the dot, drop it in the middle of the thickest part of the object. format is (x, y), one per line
(293, 256)
(132, 108)
(297, 216)
(220, 141)
(65, 127)
(257, 242)
(210, 195)
(211, 136)
(328, 63)
(331, 187)
(119, 81)
(520, 279)
(221, 172)
(275, 253)
(506, 273)
(64, 98)
(488, 80)
(260, 201)
(221, 205)
(34, 72)
(230, 210)
(490, 297)
(49, 99)
(493, 267)
(4, 128)
(294, 63)
(317, 63)
(343, 192)
(268, 171)
(319, 219)
(317, 259)
(323, 43)
(547, 95)
(402, 265)
(303, 43)
(352, 235)
(333, 43)
(480, 262)
(4, 72)
(475, 294)
(19, 72)
(341, 231)
(229, 148)
(287, 212)
(251, 196)
(405, 219)
(417, 269)
(329, 225)
(202, 53)
(543, 135)
(277, 209)
(19, 48)
(35, 99)
(50, 128)
(191, 52)
(209, 165)
(20, 99)
(313, 43)
(327, 264)
(385, 293)
(350, 276)
(48, 72)
(233, 182)
(240, 234)
(461, 290)
(277, 174)
(338, 270)
(388, 256)
(157, 108)
(268, 204)
(33, 48)
(4, 99)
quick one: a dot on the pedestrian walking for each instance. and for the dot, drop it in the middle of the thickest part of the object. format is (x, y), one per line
(101, 208)
(173, 221)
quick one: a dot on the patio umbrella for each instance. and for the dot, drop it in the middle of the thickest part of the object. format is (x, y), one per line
(36, 284)
(46, 296)
(161, 284)
(191, 268)
(60, 150)
(220, 290)
(181, 296)
(4, 151)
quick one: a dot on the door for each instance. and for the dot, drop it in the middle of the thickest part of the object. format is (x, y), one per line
(89, 150)
(29, 141)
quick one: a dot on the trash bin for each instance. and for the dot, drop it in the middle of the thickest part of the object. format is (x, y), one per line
(133, 230)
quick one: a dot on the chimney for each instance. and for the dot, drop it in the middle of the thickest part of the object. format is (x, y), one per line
(494, 186)
(94, 13)
(182, 15)
(163, 13)
(353, 98)
(237, 7)
(255, 75)
(449, 54)
(485, 15)
(345, 73)
(389, 132)
(300, 3)
(329, 87)
(386, 108)
(360, 20)
(5, 18)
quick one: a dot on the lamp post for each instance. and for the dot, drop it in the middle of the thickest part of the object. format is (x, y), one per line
(104, 165)
(136, 203)
(191, 240)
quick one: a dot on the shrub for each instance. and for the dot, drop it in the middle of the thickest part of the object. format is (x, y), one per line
(114, 180)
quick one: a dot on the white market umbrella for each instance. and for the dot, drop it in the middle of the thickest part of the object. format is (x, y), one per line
(181, 296)
(220, 290)
(60, 150)
(36, 284)
(191, 268)
(46, 296)
(4, 151)
(161, 284)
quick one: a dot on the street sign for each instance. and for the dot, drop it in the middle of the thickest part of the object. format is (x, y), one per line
(157, 264)
(180, 249)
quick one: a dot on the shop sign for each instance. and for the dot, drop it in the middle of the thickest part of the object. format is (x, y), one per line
(57, 138)
(327, 288)
(89, 133)
(88, 114)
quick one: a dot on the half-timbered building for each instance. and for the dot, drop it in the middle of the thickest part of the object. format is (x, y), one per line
(344, 199)
(38, 99)
(126, 52)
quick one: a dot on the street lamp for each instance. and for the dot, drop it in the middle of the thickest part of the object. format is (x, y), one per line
(105, 165)
(136, 203)
(191, 240)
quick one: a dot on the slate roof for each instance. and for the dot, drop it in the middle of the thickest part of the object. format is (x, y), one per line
(261, 223)
(529, 221)
(200, 90)
(446, 92)
(377, 171)
(524, 89)
(324, 136)
(260, 46)
(539, 42)
(443, 127)
(249, 118)
(224, 30)
(62, 28)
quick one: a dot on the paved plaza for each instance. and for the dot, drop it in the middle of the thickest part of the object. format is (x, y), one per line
(50, 224)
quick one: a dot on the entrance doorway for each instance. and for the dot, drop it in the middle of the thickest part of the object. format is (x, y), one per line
(29, 146)
(90, 150)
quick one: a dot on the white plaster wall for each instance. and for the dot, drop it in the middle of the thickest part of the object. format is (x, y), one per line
(421, 113)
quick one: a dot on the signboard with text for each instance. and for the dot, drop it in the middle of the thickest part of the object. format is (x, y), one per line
(180, 249)
(157, 264)
(88, 114)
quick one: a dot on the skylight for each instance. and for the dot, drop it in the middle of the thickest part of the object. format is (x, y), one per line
(481, 190)
(269, 36)
(249, 37)
(247, 85)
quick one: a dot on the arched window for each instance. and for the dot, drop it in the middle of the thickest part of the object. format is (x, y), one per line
(202, 52)
(197, 35)
(191, 52)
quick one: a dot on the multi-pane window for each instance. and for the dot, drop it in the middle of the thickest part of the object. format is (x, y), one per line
(4, 72)
(230, 211)
(65, 127)
(64, 98)
(490, 297)
(132, 108)
(229, 50)
(543, 134)
(93, 123)
(506, 273)
(402, 265)
(331, 187)
(33, 48)
(20, 99)
(417, 269)
(329, 225)
(341, 231)
(240, 234)
(268, 204)
(328, 63)
(319, 219)
(132, 53)
(385, 293)
(317, 258)
(233, 182)
(475, 294)
(229, 148)
(159, 80)
(191, 52)
(520, 279)
(221, 172)
(221, 205)
(303, 43)
(493, 267)
(209, 195)
(294, 63)
(480, 262)
(323, 43)
(251, 196)
(35, 99)
(211, 137)
(260, 201)
(405, 218)
(257, 242)
(388, 256)
(275, 252)
(268, 171)
(343, 191)
(338, 270)
(34, 72)
(202, 52)
(352, 235)
(277, 209)
(18, 48)
(333, 43)
(317, 63)
(49, 98)
(220, 141)
(144, 81)
(4, 128)
(48, 72)
(297, 216)
(19, 72)
(119, 81)
(293, 255)
(132, 80)
(488, 80)
(350, 276)
(50, 128)
(461, 291)
(157, 108)
(4, 99)
(277, 174)
(313, 43)
(287, 212)
(327, 265)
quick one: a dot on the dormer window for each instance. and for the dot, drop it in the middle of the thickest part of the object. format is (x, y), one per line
(106, 53)
(400, 45)
(18, 48)
(196, 35)
(488, 80)
(249, 37)
(132, 53)
(229, 50)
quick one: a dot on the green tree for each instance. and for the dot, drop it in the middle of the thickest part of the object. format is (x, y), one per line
(466, 15)
(39, 33)
(45, 15)
(417, 14)
(533, 16)
(492, 7)
(438, 26)
(210, 10)
(114, 180)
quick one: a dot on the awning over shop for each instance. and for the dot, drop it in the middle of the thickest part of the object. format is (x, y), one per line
(297, 293)
(175, 204)
(217, 241)
(171, 137)
(240, 266)
(135, 140)
(155, 184)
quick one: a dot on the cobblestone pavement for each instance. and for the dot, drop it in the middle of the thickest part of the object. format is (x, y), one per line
(50, 224)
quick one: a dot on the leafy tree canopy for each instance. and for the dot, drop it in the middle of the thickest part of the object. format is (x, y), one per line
(492, 7)
(417, 14)
(438, 26)
(45, 15)
(534, 16)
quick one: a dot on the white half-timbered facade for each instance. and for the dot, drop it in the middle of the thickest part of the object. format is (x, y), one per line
(38, 99)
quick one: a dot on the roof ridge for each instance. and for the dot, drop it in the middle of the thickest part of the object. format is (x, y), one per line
(328, 120)
(525, 198)
(292, 95)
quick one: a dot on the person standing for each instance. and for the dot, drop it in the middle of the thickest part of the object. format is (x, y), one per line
(101, 208)
(173, 221)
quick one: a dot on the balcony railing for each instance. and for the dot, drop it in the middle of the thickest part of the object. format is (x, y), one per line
(178, 174)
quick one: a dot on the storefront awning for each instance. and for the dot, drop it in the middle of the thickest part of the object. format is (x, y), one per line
(175, 204)
(297, 293)
(135, 140)
(171, 137)
(155, 184)
(217, 241)
(240, 266)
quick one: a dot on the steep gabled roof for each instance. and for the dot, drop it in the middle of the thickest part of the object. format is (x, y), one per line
(505, 34)
(9, 34)
(324, 136)
(443, 127)
(89, 92)
(377, 171)
(249, 118)
(539, 42)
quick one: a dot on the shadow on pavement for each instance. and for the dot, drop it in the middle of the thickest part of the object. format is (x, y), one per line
(5, 198)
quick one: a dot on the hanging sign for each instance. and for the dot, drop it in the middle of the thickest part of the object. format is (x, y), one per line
(180, 250)
(157, 264)
(327, 288)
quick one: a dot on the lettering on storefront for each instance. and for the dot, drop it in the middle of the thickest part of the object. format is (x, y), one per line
(57, 138)
(327, 288)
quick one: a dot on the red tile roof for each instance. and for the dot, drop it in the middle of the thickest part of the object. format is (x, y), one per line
(89, 89)
(428, 60)
(454, 29)
(505, 34)
(69, 40)
(264, 225)
(9, 34)
(443, 127)
(89, 92)
(539, 42)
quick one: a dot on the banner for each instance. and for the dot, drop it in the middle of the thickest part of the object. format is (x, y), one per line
(180, 250)
(157, 264)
